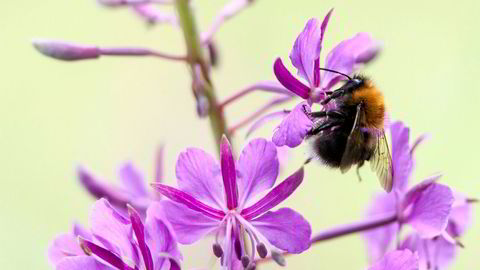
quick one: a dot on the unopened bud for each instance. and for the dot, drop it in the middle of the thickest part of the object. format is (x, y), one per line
(66, 51)
(262, 250)
(217, 250)
(278, 258)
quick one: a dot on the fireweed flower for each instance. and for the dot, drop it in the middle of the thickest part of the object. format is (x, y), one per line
(439, 252)
(305, 57)
(203, 205)
(427, 207)
(133, 189)
(116, 242)
(397, 260)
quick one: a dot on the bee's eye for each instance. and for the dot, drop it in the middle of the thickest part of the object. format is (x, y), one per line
(356, 81)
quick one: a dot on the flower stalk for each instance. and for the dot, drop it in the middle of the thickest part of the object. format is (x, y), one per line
(195, 57)
(343, 230)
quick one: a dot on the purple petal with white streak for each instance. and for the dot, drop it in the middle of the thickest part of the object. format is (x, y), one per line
(258, 169)
(397, 260)
(189, 225)
(188, 200)
(275, 196)
(294, 127)
(285, 229)
(139, 231)
(289, 81)
(199, 175)
(229, 173)
(347, 55)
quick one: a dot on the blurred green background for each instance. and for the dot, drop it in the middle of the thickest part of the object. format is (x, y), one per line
(56, 115)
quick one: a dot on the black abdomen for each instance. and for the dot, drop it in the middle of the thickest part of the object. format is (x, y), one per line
(330, 146)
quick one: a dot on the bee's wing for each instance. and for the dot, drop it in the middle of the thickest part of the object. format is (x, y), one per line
(381, 162)
(354, 143)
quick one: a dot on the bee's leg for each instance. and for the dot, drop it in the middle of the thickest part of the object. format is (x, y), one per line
(336, 94)
(325, 125)
(358, 171)
(332, 113)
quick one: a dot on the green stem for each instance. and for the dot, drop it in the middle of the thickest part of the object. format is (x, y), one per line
(195, 57)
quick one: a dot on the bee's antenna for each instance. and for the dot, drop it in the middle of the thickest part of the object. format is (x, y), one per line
(338, 72)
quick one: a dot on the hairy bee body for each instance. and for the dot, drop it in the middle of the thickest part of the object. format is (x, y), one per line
(353, 132)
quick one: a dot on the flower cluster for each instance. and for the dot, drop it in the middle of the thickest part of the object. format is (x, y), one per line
(117, 242)
(234, 199)
(437, 215)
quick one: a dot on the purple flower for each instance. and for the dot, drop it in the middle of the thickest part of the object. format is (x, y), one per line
(219, 199)
(397, 260)
(439, 252)
(305, 57)
(117, 242)
(133, 190)
(426, 207)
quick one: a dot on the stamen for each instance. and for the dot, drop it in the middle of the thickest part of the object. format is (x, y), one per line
(262, 250)
(238, 248)
(245, 261)
(278, 258)
(217, 250)
(252, 244)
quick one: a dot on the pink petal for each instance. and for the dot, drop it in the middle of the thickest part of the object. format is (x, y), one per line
(99, 189)
(189, 201)
(258, 169)
(347, 55)
(112, 229)
(379, 240)
(397, 260)
(104, 254)
(189, 225)
(64, 245)
(265, 119)
(159, 233)
(199, 175)
(401, 156)
(275, 196)
(294, 127)
(229, 173)
(460, 217)
(132, 180)
(306, 49)
(81, 263)
(285, 229)
(430, 211)
(139, 231)
(289, 81)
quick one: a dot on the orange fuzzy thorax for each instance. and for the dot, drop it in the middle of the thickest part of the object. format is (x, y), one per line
(374, 104)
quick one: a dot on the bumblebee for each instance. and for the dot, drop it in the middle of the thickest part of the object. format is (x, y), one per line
(352, 132)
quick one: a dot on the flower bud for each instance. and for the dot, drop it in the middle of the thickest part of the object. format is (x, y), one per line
(66, 51)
